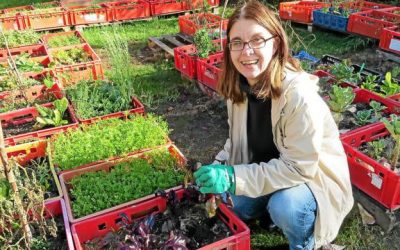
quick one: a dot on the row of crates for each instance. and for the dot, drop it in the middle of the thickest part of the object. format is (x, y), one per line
(58, 16)
(374, 20)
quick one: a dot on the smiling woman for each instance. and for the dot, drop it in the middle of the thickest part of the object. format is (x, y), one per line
(283, 161)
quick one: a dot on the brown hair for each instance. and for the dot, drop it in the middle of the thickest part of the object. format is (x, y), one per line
(269, 83)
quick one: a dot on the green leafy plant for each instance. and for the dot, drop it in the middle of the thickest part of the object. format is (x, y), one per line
(107, 138)
(340, 98)
(377, 108)
(389, 86)
(52, 116)
(203, 43)
(344, 72)
(370, 83)
(25, 63)
(363, 117)
(377, 147)
(70, 56)
(97, 98)
(19, 38)
(393, 126)
(126, 181)
(63, 40)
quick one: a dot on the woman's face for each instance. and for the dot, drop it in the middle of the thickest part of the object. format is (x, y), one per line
(250, 62)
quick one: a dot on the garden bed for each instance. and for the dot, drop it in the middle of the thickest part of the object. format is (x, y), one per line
(236, 237)
(124, 182)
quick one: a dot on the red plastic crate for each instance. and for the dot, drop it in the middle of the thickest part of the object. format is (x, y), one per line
(323, 73)
(52, 18)
(100, 226)
(299, 11)
(379, 182)
(68, 175)
(24, 153)
(56, 208)
(364, 5)
(207, 71)
(163, 7)
(37, 50)
(369, 23)
(80, 15)
(71, 74)
(47, 37)
(196, 4)
(138, 109)
(26, 115)
(186, 60)
(189, 27)
(390, 39)
(128, 10)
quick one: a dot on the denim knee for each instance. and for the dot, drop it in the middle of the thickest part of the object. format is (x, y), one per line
(294, 210)
(247, 208)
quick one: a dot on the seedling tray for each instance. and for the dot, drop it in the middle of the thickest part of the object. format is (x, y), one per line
(128, 10)
(71, 74)
(81, 15)
(66, 177)
(163, 7)
(47, 37)
(24, 153)
(207, 71)
(212, 22)
(330, 21)
(138, 108)
(299, 11)
(99, 226)
(379, 182)
(26, 115)
(185, 59)
(390, 39)
(369, 23)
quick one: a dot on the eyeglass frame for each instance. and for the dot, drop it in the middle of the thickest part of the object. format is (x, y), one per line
(248, 43)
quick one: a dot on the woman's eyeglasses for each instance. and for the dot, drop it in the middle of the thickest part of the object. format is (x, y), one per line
(256, 43)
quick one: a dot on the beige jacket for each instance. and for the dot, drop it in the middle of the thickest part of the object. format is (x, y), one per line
(310, 152)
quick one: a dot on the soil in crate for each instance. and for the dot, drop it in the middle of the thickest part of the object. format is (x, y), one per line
(185, 225)
(13, 130)
(349, 121)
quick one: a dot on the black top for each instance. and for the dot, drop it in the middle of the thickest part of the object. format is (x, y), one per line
(259, 127)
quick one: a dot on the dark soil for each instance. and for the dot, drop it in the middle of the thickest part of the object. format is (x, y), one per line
(386, 154)
(28, 127)
(185, 225)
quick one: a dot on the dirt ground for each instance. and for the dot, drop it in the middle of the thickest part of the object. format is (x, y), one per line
(199, 124)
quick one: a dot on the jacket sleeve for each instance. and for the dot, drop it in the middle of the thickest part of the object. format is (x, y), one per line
(299, 142)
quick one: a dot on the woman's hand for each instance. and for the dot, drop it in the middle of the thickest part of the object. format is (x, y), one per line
(215, 179)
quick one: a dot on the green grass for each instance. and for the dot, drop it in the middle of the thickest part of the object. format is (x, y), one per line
(321, 42)
(14, 3)
(154, 83)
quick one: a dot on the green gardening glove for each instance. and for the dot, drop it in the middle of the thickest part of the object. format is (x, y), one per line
(215, 179)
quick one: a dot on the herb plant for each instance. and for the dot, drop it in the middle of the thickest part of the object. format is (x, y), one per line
(377, 147)
(343, 72)
(70, 56)
(363, 117)
(124, 182)
(19, 38)
(52, 116)
(107, 138)
(340, 98)
(97, 98)
(370, 83)
(63, 40)
(389, 85)
(203, 43)
(377, 109)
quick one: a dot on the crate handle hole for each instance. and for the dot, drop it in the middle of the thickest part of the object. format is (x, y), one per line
(102, 226)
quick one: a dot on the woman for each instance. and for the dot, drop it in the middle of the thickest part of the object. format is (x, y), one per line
(283, 155)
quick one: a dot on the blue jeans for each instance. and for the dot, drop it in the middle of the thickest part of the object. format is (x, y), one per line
(293, 210)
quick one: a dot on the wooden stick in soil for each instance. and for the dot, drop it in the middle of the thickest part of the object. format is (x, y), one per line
(221, 23)
(11, 179)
